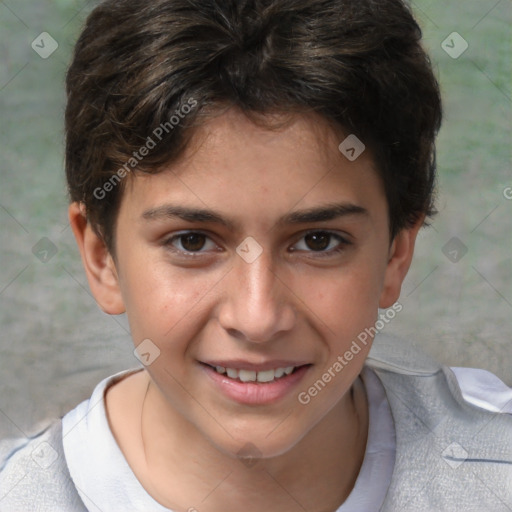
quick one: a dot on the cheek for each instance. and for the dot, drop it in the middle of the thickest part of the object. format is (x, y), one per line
(163, 303)
(346, 301)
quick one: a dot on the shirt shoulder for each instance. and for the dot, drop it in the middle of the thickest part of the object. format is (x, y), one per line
(34, 474)
(484, 389)
(102, 475)
(477, 387)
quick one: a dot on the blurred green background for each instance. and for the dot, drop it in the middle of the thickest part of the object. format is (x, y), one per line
(56, 344)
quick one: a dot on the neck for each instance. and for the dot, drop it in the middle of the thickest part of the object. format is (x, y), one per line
(317, 474)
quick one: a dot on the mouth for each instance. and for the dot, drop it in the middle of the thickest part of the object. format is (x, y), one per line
(255, 385)
(262, 376)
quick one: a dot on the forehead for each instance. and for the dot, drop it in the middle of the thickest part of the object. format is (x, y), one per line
(295, 140)
(234, 163)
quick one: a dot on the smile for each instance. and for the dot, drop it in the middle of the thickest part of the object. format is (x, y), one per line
(256, 386)
(254, 376)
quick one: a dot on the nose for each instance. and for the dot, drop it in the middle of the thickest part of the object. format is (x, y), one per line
(258, 306)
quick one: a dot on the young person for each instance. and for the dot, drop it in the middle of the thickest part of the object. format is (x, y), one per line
(247, 181)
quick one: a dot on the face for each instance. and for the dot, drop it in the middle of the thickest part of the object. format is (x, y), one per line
(258, 253)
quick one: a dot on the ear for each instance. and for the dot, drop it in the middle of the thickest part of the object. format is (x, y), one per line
(98, 262)
(400, 257)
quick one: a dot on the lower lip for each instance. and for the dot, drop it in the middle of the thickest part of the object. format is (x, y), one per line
(256, 393)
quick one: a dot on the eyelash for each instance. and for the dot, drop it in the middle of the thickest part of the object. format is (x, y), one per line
(343, 243)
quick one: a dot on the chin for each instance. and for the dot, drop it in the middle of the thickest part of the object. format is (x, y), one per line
(252, 445)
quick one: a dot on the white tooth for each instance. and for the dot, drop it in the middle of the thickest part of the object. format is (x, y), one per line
(220, 369)
(232, 373)
(266, 376)
(279, 372)
(289, 370)
(247, 375)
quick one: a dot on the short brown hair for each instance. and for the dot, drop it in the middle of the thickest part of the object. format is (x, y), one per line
(357, 63)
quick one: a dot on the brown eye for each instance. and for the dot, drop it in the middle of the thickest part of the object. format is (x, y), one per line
(318, 241)
(193, 241)
(321, 243)
(190, 242)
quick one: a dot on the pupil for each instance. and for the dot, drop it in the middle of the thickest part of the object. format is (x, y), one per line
(193, 241)
(318, 241)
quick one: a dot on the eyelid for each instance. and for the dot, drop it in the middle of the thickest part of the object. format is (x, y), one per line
(167, 242)
(343, 242)
(345, 237)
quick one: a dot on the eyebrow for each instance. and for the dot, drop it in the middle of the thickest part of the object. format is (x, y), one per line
(323, 213)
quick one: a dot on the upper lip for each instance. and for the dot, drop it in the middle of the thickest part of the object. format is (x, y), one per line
(239, 364)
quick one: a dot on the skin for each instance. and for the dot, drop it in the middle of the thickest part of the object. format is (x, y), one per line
(177, 432)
